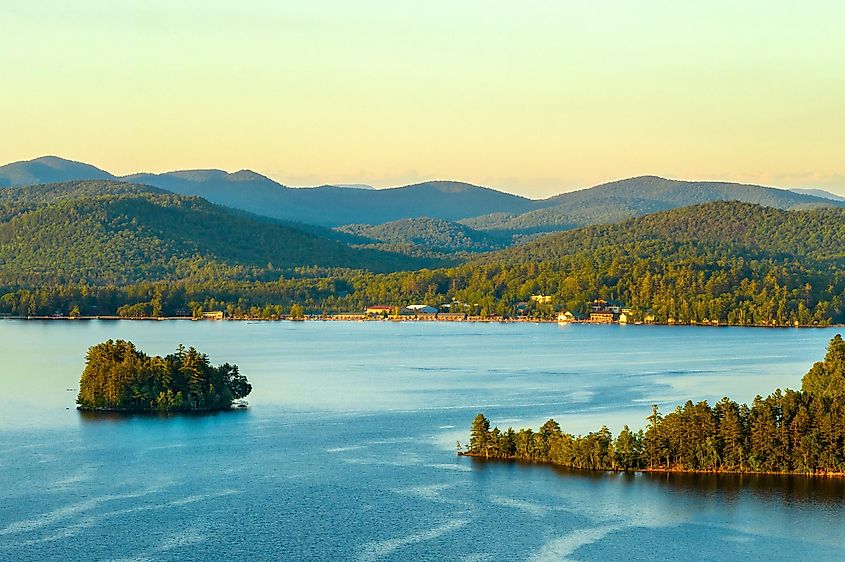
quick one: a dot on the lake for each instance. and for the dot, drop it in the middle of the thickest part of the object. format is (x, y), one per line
(347, 451)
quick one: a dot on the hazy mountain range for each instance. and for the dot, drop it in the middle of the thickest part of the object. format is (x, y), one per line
(478, 207)
(503, 215)
(818, 193)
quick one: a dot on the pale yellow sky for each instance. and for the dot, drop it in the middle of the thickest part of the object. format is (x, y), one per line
(533, 98)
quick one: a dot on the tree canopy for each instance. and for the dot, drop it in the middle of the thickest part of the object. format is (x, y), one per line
(787, 432)
(118, 376)
(122, 251)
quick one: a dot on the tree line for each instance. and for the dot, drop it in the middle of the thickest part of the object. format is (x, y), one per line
(787, 432)
(726, 263)
(118, 376)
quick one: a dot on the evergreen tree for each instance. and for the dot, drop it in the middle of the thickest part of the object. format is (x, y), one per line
(792, 431)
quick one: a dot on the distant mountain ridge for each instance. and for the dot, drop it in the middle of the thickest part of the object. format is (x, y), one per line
(623, 199)
(48, 169)
(817, 193)
(479, 208)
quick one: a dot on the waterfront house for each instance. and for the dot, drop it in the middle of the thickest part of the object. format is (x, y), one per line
(379, 310)
(213, 315)
(566, 317)
(602, 317)
(419, 309)
(542, 299)
(605, 312)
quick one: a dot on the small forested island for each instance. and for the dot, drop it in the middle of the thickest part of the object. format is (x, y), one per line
(798, 432)
(119, 377)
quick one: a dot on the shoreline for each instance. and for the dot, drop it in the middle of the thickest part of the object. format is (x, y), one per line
(659, 470)
(361, 318)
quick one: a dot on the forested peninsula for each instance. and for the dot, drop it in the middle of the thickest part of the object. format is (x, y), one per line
(797, 432)
(119, 377)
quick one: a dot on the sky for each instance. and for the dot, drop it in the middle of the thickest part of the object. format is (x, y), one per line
(529, 97)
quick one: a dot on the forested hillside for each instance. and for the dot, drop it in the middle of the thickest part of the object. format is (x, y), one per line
(112, 233)
(436, 235)
(729, 262)
(722, 262)
(620, 200)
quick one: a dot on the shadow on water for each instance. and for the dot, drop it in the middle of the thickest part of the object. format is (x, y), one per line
(787, 488)
(92, 416)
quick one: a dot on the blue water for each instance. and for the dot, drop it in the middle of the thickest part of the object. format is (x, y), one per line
(348, 448)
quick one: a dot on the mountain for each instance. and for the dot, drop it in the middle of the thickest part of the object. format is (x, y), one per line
(816, 233)
(48, 169)
(725, 261)
(335, 206)
(436, 235)
(107, 232)
(623, 199)
(326, 205)
(477, 207)
(817, 193)
(352, 185)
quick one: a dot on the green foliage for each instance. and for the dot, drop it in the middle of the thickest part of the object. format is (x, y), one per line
(104, 233)
(787, 432)
(118, 376)
(826, 379)
(428, 235)
(729, 262)
(135, 253)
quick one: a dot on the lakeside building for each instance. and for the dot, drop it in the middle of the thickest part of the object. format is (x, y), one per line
(605, 312)
(565, 317)
(542, 299)
(418, 309)
(379, 310)
(213, 315)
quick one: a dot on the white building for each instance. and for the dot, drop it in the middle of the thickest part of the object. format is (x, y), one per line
(421, 309)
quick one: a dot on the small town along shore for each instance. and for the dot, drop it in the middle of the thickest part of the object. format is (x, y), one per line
(352, 317)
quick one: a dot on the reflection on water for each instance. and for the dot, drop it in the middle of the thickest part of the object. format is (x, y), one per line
(787, 488)
(348, 448)
(96, 416)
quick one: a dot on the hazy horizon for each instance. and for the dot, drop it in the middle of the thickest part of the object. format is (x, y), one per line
(366, 185)
(534, 99)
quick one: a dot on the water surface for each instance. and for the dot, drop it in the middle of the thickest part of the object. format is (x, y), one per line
(348, 448)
